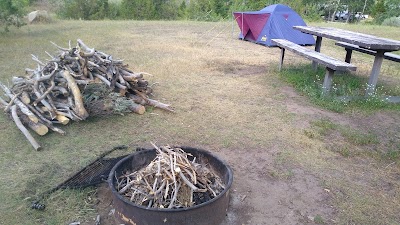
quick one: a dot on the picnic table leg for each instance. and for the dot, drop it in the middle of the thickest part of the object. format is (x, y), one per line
(326, 87)
(282, 56)
(376, 68)
(317, 49)
(348, 55)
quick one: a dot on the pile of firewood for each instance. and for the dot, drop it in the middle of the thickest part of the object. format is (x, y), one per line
(171, 181)
(57, 91)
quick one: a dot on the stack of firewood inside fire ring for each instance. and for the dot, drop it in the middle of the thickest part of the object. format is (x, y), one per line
(76, 82)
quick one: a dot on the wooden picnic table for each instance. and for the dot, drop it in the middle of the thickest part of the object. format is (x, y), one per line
(378, 44)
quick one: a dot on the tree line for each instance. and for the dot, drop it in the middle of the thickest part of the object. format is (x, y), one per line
(203, 10)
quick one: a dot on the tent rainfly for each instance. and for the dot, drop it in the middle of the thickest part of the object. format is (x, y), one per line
(274, 21)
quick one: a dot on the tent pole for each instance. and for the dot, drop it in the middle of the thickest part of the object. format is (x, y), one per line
(242, 27)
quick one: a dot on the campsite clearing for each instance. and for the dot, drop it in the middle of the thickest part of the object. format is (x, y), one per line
(293, 162)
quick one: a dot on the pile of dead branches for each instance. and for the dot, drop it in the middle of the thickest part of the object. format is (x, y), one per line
(58, 90)
(171, 181)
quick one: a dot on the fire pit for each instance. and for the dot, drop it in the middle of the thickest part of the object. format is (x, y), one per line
(207, 213)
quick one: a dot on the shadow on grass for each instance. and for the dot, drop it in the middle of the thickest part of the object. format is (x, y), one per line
(347, 91)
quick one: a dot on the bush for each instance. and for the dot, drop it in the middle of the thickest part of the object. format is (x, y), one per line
(393, 21)
(11, 13)
(83, 9)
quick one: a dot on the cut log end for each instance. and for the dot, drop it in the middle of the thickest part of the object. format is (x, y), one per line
(62, 119)
(136, 108)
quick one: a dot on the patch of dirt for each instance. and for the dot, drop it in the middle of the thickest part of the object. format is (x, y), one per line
(104, 205)
(263, 192)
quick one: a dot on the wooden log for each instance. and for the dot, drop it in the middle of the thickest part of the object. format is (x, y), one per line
(11, 102)
(153, 102)
(62, 90)
(158, 104)
(25, 98)
(62, 119)
(21, 127)
(87, 51)
(45, 121)
(24, 109)
(107, 82)
(36, 91)
(38, 127)
(130, 76)
(137, 99)
(52, 85)
(137, 108)
(79, 106)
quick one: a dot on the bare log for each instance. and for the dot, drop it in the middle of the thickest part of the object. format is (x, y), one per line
(21, 105)
(45, 121)
(62, 119)
(154, 103)
(40, 98)
(11, 102)
(38, 127)
(79, 107)
(88, 51)
(21, 127)
(62, 90)
(25, 98)
(136, 108)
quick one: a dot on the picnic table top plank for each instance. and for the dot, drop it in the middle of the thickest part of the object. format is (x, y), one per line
(363, 40)
(315, 56)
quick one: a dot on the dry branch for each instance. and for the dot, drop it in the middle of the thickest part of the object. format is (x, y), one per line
(22, 128)
(171, 180)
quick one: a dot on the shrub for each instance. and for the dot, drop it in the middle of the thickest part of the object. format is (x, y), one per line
(83, 9)
(393, 21)
(11, 13)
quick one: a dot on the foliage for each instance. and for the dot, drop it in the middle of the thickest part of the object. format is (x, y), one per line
(11, 13)
(213, 10)
(385, 9)
(83, 9)
(393, 21)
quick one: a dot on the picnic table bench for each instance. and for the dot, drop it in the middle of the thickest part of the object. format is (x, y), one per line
(350, 47)
(331, 64)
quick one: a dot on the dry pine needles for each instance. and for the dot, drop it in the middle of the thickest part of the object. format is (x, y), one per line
(170, 181)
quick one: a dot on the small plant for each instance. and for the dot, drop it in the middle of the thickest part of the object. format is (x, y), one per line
(324, 126)
(318, 219)
(393, 154)
(358, 138)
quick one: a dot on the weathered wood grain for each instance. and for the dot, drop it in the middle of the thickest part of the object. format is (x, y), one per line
(320, 58)
(363, 40)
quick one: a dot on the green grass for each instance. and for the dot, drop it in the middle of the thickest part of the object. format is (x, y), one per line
(347, 93)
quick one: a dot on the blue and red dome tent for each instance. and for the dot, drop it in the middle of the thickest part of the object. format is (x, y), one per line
(274, 21)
